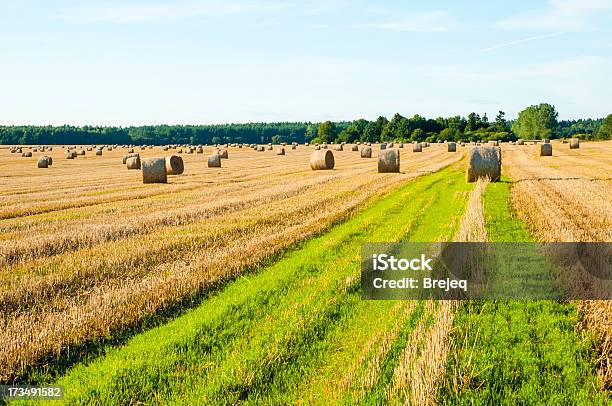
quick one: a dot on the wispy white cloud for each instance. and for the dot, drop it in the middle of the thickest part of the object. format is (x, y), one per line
(435, 21)
(155, 11)
(560, 15)
(561, 70)
(521, 41)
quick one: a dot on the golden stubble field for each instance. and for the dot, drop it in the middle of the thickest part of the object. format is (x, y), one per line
(87, 249)
(568, 197)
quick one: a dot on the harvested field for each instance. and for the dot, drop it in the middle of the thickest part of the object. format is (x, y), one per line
(100, 252)
(241, 283)
(569, 199)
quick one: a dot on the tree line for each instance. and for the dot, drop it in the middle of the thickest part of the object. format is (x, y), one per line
(534, 122)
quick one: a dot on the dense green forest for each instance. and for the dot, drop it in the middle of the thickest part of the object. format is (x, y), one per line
(534, 122)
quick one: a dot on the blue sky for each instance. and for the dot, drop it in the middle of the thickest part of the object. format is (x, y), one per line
(179, 62)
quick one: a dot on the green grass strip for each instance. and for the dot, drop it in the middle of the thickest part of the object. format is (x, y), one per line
(517, 352)
(317, 375)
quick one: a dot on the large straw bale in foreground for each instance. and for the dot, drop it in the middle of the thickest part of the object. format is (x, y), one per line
(366, 152)
(174, 165)
(388, 161)
(484, 162)
(545, 149)
(574, 143)
(154, 170)
(322, 160)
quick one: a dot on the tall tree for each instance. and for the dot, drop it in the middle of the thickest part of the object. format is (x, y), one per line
(536, 122)
(501, 125)
(327, 131)
(605, 130)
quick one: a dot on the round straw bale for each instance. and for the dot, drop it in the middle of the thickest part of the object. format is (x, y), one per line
(574, 143)
(154, 170)
(269, 147)
(324, 146)
(133, 162)
(27, 154)
(390, 145)
(545, 149)
(81, 152)
(417, 147)
(520, 141)
(383, 146)
(294, 146)
(322, 160)
(260, 148)
(223, 154)
(280, 151)
(199, 150)
(451, 147)
(131, 150)
(174, 165)
(355, 147)
(43, 162)
(338, 147)
(317, 147)
(366, 152)
(401, 145)
(98, 152)
(388, 161)
(484, 162)
(165, 148)
(214, 161)
(70, 154)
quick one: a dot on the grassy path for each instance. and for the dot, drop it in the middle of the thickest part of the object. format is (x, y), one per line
(517, 352)
(266, 335)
